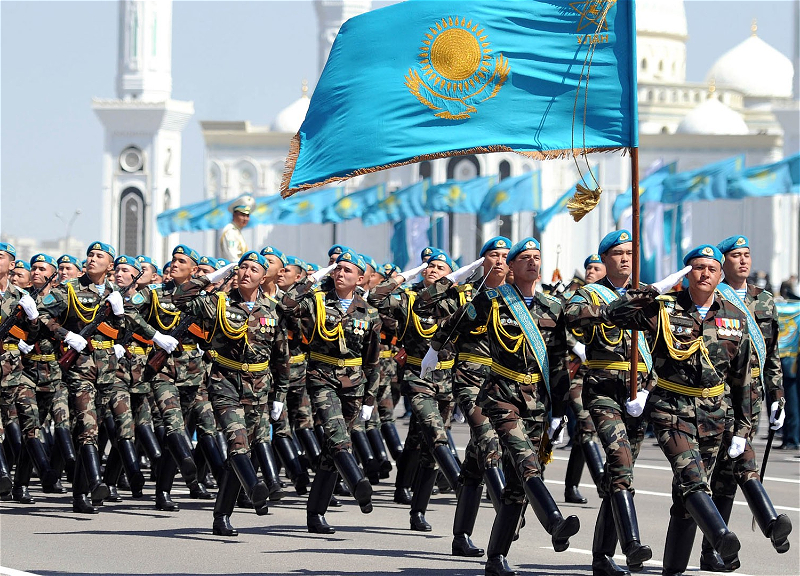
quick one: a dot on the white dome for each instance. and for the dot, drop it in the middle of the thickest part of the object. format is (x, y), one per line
(291, 118)
(713, 117)
(754, 68)
(666, 17)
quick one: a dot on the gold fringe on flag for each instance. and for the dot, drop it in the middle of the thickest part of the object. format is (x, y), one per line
(583, 202)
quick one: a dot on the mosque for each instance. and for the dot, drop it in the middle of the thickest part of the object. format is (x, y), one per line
(747, 105)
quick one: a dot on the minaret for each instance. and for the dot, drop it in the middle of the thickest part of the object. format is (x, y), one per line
(331, 14)
(143, 125)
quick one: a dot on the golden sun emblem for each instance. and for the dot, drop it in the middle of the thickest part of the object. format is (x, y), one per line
(456, 69)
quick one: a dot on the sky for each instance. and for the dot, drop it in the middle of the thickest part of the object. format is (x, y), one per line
(234, 60)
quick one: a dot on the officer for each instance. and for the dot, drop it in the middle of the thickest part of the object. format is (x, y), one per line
(765, 367)
(528, 378)
(342, 334)
(250, 355)
(68, 267)
(701, 343)
(231, 241)
(606, 388)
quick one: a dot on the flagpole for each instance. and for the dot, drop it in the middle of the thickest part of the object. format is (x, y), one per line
(634, 373)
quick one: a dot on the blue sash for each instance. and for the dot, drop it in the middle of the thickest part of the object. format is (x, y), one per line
(608, 296)
(755, 332)
(534, 338)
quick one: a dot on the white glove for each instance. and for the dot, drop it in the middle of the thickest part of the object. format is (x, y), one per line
(464, 272)
(277, 410)
(28, 306)
(168, 343)
(636, 407)
(366, 412)
(737, 447)
(26, 348)
(75, 341)
(115, 300)
(667, 283)
(218, 275)
(409, 274)
(774, 424)
(321, 273)
(554, 424)
(580, 351)
(429, 362)
(119, 351)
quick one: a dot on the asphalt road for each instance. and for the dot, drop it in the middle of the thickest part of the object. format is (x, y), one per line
(47, 538)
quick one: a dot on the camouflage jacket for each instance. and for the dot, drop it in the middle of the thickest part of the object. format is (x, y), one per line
(353, 334)
(24, 329)
(507, 344)
(41, 365)
(723, 358)
(297, 350)
(241, 335)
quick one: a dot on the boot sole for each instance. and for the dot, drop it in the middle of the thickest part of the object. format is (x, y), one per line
(781, 529)
(260, 495)
(363, 495)
(5, 485)
(100, 493)
(640, 556)
(468, 552)
(568, 528)
(729, 547)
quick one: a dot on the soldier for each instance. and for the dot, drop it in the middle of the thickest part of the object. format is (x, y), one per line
(68, 267)
(21, 274)
(528, 378)
(605, 390)
(334, 252)
(342, 334)
(431, 396)
(206, 265)
(701, 343)
(231, 240)
(765, 367)
(250, 355)
(150, 271)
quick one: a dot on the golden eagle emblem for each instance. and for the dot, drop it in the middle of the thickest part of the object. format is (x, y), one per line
(456, 70)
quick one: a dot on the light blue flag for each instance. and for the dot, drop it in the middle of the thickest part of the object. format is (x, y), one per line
(427, 79)
(651, 189)
(543, 218)
(182, 219)
(519, 194)
(355, 204)
(267, 210)
(405, 203)
(459, 196)
(706, 183)
(308, 208)
(398, 245)
(766, 180)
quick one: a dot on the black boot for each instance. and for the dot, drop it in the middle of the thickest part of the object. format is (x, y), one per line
(352, 475)
(165, 478)
(287, 452)
(678, 545)
(366, 457)
(310, 444)
(91, 469)
(451, 444)
(255, 489)
(775, 527)
(709, 558)
(469, 501)
(706, 515)
(229, 487)
(423, 487)
(393, 444)
(127, 453)
(198, 491)
(605, 543)
(503, 530)
(14, 439)
(22, 478)
(593, 455)
(111, 475)
(5, 474)
(213, 456)
(495, 482)
(262, 452)
(573, 476)
(406, 468)
(628, 530)
(318, 500)
(39, 458)
(81, 502)
(559, 528)
(379, 449)
(181, 451)
(448, 464)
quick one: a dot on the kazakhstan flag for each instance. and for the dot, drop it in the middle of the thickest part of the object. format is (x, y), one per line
(428, 79)
(184, 219)
(651, 189)
(459, 196)
(707, 183)
(354, 205)
(542, 219)
(767, 180)
(407, 202)
(308, 208)
(521, 193)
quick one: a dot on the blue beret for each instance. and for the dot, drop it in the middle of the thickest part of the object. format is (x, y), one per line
(496, 242)
(142, 259)
(221, 263)
(336, 249)
(704, 251)
(6, 247)
(295, 261)
(311, 267)
(129, 260)
(103, 247)
(186, 251)
(388, 268)
(592, 259)
(612, 239)
(46, 258)
(22, 264)
(254, 256)
(272, 251)
(427, 251)
(370, 261)
(83, 263)
(529, 243)
(442, 256)
(208, 261)
(352, 257)
(165, 269)
(69, 259)
(733, 243)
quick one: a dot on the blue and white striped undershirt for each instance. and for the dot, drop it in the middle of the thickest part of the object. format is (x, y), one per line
(742, 293)
(528, 300)
(345, 302)
(250, 305)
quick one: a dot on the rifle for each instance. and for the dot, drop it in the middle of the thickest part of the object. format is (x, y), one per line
(158, 356)
(770, 438)
(546, 443)
(69, 357)
(16, 316)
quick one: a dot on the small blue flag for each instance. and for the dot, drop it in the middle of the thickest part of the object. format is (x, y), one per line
(651, 189)
(308, 208)
(707, 183)
(521, 193)
(767, 180)
(542, 219)
(355, 204)
(405, 203)
(459, 196)
(181, 219)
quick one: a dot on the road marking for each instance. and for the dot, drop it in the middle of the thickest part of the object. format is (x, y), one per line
(11, 572)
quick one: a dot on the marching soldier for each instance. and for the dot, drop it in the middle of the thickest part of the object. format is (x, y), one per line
(231, 241)
(68, 267)
(21, 274)
(605, 390)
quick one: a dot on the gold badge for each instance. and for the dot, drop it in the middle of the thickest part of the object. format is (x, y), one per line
(624, 236)
(707, 251)
(741, 241)
(530, 245)
(501, 243)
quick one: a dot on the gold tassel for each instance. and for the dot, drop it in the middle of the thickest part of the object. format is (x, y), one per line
(583, 202)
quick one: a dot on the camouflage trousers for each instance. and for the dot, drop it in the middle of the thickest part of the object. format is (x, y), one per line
(140, 406)
(584, 429)
(116, 401)
(336, 408)
(691, 458)
(196, 409)
(296, 414)
(483, 449)
(168, 400)
(432, 408)
(224, 392)
(256, 418)
(93, 371)
(384, 404)
(19, 403)
(59, 408)
(730, 472)
(517, 413)
(8, 410)
(621, 436)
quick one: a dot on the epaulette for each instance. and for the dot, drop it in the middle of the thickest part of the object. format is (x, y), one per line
(371, 310)
(154, 286)
(491, 293)
(666, 298)
(268, 297)
(552, 298)
(74, 282)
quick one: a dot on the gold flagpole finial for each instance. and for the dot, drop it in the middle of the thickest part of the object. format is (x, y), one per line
(304, 88)
(754, 27)
(712, 86)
